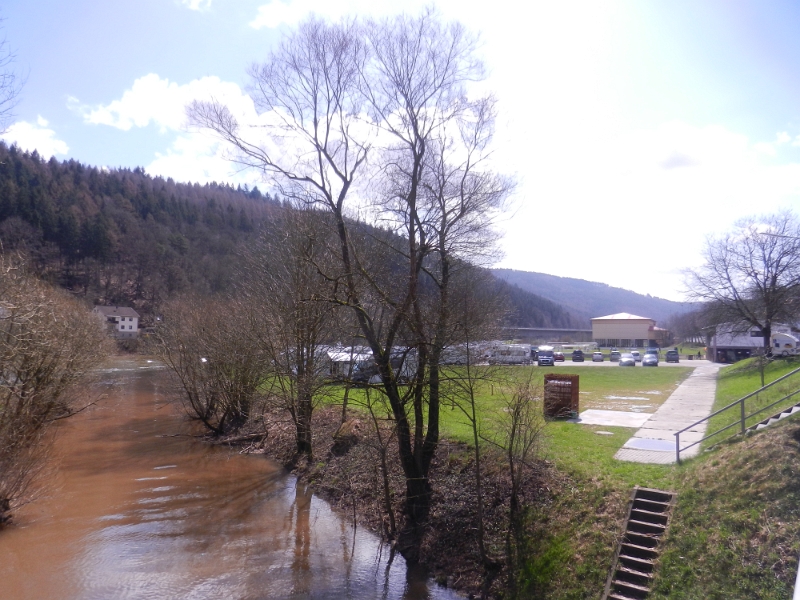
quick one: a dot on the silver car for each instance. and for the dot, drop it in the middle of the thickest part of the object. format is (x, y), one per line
(627, 360)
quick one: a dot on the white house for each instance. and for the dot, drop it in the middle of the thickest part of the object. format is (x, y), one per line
(122, 321)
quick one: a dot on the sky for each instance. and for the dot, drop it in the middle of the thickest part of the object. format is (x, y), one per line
(635, 129)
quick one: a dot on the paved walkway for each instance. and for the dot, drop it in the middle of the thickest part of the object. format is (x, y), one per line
(654, 442)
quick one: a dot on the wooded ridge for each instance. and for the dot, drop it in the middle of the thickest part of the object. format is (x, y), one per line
(123, 237)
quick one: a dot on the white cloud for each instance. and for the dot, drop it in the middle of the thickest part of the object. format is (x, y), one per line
(152, 99)
(38, 136)
(197, 4)
(632, 210)
(198, 158)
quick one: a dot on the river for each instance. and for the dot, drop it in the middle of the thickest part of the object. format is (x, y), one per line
(131, 511)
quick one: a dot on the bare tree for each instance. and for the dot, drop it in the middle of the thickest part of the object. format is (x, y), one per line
(396, 92)
(212, 350)
(10, 85)
(48, 344)
(295, 318)
(519, 432)
(478, 313)
(751, 276)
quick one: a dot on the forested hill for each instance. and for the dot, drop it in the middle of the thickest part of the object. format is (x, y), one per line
(588, 299)
(120, 236)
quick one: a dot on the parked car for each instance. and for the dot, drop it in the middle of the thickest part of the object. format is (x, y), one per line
(544, 356)
(650, 360)
(577, 356)
(652, 351)
(558, 356)
(673, 356)
(597, 357)
(614, 356)
(627, 360)
(636, 356)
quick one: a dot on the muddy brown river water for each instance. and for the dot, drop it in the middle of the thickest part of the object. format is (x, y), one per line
(129, 512)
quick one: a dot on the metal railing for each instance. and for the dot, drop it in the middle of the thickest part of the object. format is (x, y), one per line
(743, 417)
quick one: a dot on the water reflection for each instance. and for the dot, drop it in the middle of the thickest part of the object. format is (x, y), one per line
(135, 513)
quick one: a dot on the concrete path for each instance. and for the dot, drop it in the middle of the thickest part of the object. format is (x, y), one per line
(691, 401)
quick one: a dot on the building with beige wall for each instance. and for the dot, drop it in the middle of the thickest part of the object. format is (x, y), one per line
(625, 330)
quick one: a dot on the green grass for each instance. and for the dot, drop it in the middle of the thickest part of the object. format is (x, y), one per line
(735, 531)
(576, 449)
(739, 380)
(736, 528)
(579, 449)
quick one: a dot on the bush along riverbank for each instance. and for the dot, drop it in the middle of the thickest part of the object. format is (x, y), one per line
(560, 544)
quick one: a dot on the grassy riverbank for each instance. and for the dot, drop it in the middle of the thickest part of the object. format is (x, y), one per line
(736, 521)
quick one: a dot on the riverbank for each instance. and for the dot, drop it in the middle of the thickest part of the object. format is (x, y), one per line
(568, 522)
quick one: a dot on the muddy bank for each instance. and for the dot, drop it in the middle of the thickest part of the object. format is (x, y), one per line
(347, 474)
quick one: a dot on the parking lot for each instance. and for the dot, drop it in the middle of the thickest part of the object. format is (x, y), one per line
(607, 363)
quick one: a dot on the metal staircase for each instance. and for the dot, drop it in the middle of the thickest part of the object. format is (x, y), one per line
(631, 576)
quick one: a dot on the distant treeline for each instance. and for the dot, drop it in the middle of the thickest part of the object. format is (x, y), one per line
(122, 237)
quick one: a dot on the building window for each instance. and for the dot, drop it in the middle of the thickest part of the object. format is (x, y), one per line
(625, 342)
(756, 333)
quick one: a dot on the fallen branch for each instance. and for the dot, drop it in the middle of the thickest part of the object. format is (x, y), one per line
(241, 438)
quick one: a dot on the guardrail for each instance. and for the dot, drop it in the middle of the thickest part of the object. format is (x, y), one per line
(743, 417)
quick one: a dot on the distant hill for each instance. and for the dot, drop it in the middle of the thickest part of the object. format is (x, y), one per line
(527, 309)
(120, 236)
(588, 299)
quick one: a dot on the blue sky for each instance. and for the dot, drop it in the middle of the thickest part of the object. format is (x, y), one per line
(634, 128)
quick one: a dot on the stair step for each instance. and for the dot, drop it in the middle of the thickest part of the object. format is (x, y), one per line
(646, 540)
(630, 576)
(651, 494)
(643, 565)
(651, 505)
(642, 527)
(637, 591)
(646, 516)
(638, 551)
(786, 412)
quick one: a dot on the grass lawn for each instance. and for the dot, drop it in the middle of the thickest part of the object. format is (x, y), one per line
(738, 380)
(737, 519)
(577, 449)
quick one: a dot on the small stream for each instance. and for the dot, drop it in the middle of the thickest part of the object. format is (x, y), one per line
(129, 511)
